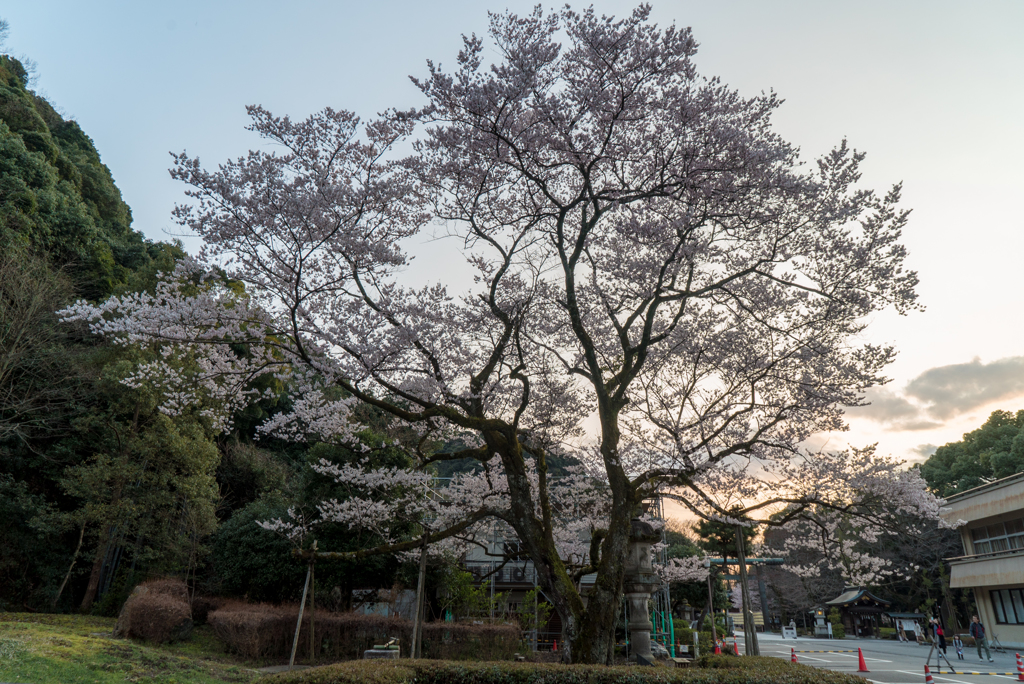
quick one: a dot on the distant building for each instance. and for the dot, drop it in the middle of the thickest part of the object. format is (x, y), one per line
(993, 560)
(504, 565)
(860, 610)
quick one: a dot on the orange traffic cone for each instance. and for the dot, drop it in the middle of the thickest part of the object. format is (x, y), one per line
(735, 648)
(555, 648)
(1020, 669)
(928, 676)
(718, 649)
(861, 665)
(792, 655)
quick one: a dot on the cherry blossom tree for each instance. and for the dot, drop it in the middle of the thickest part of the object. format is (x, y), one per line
(646, 250)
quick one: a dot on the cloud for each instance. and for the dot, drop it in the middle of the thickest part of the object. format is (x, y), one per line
(885, 406)
(894, 410)
(924, 450)
(942, 393)
(951, 390)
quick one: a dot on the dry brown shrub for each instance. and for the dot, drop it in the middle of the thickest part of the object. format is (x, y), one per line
(251, 630)
(263, 631)
(202, 606)
(167, 586)
(156, 611)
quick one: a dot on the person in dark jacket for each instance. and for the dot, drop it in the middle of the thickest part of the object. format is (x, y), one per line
(940, 635)
(978, 632)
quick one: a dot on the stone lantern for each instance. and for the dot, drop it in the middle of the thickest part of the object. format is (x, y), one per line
(640, 582)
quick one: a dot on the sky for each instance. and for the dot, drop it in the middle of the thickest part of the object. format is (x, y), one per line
(932, 91)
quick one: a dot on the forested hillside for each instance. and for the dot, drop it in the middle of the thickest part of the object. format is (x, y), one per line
(98, 489)
(56, 196)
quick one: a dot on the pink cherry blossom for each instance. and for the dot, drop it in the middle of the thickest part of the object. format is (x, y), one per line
(646, 249)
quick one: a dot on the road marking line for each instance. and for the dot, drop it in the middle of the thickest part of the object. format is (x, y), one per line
(935, 676)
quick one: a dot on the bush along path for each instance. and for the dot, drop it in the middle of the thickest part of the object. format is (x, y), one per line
(714, 670)
(75, 649)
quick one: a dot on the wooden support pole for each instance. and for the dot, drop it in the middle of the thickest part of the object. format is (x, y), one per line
(415, 650)
(298, 625)
(312, 609)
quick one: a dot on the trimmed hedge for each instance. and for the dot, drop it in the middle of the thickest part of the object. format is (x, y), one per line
(750, 670)
(258, 631)
(706, 643)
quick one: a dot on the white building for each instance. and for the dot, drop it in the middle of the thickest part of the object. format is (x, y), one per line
(993, 560)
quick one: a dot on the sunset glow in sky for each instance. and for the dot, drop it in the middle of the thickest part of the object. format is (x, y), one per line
(932, 91)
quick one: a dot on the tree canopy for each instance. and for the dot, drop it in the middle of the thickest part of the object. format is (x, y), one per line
(645, 248)
(993, 451)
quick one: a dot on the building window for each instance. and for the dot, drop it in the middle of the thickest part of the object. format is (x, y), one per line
(1008, 605)
(999, 537)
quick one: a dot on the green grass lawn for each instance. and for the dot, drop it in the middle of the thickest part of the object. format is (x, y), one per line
(73, 649)
(76, 649)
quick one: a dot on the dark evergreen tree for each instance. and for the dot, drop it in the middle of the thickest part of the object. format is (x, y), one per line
(993, 451)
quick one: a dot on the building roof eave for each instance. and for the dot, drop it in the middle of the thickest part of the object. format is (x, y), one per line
(856, 595)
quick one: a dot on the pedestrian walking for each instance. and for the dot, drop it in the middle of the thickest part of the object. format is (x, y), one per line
(978, 632)
(941, 636)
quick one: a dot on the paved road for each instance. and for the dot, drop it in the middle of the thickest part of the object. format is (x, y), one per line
(889, 662)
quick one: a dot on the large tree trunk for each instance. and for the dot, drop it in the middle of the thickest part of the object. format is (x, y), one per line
(587, 633)
(595, 634)
(537, 535)
(101, 553)
(594, 638)
(557, 585)
(94, 576)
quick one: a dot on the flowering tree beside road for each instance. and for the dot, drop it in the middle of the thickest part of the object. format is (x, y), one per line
(646, 249)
